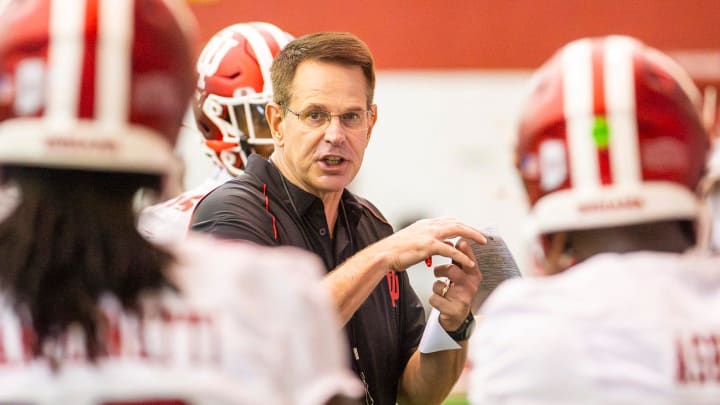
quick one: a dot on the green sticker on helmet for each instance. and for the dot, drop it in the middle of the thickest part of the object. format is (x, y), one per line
(601, 132)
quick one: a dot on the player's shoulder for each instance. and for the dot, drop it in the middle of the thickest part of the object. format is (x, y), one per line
(205, 260)
(649, 271)
(241, 194)
(585, 288)
(544, 293)
(243, 187)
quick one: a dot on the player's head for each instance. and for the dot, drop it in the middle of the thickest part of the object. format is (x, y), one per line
(233, 88)
(92, 95)
(94, 85)
(610, 136)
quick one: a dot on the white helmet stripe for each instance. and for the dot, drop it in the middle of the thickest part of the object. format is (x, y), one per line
(261, 49)
(112, 76)
(65, 55)
(621, 115)
(578, 109)
(281, 37)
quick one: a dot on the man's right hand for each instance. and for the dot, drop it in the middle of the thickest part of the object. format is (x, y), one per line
(425, 238)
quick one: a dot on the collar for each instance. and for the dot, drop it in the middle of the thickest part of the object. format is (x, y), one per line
(304, 201)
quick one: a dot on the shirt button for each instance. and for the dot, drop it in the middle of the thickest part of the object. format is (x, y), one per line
(322, 231)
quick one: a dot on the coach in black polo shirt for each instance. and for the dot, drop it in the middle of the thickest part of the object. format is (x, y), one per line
(321, 120)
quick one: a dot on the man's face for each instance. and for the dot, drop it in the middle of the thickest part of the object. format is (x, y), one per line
(326, 159)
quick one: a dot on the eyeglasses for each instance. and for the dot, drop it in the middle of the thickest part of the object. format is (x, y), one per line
(319, 119)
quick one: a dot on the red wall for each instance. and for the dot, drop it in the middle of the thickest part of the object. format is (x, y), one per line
(476, 33)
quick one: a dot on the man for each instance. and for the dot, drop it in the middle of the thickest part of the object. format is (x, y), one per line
(611, 148)
(321, 120)
(90, 311)
(232, 89)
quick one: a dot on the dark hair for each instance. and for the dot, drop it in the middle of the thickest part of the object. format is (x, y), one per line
(72, 238)
(335, 47)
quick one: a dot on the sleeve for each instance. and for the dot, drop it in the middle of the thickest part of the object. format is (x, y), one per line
(234, 212)
(317, 355)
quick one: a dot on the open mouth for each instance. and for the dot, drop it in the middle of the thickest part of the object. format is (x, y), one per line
(333, 160)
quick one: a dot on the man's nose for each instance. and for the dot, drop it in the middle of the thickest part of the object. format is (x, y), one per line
(335, 131)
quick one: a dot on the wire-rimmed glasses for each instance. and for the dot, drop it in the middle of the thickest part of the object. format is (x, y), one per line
(315, 118)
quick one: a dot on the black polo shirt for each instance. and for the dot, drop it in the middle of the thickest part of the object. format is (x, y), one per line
(263, 207)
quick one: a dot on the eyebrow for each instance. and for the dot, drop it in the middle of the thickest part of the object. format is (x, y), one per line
(315, 106)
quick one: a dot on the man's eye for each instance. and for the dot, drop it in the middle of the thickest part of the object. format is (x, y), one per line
(350, 116)
(315, 115)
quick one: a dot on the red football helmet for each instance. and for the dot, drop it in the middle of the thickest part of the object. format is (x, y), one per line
(611, 135)
(233, 88)
(94, 84)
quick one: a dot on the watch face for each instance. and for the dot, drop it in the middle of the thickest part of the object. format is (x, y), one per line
(465, 330)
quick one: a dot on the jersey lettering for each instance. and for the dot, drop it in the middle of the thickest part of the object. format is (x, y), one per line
(698, 359)
(161, 337)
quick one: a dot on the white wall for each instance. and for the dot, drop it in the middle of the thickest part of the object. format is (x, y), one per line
(442, 146)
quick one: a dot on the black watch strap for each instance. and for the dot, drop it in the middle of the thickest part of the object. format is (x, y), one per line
(465, 330)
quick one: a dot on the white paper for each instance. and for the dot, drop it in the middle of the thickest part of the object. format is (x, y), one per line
(435, 338)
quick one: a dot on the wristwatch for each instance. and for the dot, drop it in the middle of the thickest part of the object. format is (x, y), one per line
(465, 330)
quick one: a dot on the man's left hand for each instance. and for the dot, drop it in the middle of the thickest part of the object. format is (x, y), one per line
(453, 298)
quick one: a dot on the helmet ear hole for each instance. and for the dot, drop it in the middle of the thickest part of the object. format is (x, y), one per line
(204, 127)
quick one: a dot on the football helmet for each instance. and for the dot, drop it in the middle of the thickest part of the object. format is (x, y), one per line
(233, 88)
(95, 84)
(610, 135)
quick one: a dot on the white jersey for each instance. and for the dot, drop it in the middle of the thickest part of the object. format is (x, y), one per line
(639, 328)
(253, 326)
(168, 221)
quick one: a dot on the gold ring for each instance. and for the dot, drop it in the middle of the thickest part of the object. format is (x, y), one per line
(445, 289)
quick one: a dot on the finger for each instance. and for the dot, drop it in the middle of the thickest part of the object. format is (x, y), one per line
(464, 246)
(465, 285)
(451, 272)
(441, 288)
(442, 270)
(452, 228)
(456, 255)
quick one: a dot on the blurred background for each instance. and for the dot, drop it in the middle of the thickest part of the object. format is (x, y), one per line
(451, 78)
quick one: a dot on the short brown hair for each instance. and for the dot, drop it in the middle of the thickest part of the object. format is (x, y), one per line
(335, 47)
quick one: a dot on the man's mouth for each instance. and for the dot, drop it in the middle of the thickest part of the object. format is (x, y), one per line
(333, 160)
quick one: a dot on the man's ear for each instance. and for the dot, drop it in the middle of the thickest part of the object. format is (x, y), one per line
(274, 116)
(557, 254)
(373, 119)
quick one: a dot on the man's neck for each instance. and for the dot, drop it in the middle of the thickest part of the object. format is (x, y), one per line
(331, 203)
(330, 200)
